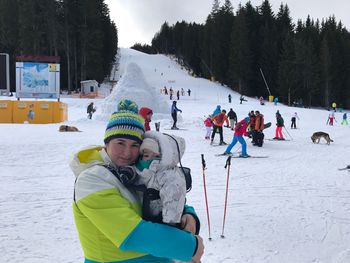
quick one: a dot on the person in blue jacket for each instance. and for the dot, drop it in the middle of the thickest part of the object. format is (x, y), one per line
(216, 111)
(174, 110)
(108, 211)
(345, 119)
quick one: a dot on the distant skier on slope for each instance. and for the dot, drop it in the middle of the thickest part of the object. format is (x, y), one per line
(174, 110)
(261, 99)
(294, 119)
(90, 110)
(241, 99)
(232, 116)
(331, 118)
(279, 126)
(345, 119)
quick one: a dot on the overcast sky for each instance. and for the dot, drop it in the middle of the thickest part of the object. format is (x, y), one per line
(138, 20)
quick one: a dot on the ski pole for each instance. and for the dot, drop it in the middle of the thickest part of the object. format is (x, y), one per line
(228, 165)
(205, 195)
(288, 133)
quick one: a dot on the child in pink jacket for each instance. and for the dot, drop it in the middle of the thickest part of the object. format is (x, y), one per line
(208, 126)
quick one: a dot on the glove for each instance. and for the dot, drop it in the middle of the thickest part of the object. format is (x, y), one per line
(181, 111)
(226, 126)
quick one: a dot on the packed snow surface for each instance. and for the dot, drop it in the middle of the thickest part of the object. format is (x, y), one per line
(293, 206)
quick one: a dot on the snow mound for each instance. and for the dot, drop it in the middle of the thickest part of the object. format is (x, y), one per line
(133, 86)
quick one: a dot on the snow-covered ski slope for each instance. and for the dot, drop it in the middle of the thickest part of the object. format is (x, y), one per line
(293, 206)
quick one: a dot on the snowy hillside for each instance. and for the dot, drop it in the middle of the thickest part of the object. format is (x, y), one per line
(293, 206)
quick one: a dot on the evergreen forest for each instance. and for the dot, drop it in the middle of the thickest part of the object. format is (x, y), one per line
(80, 32)
(252, 50)
(307, 63)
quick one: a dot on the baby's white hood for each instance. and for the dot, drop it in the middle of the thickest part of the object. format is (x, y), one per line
(172, 147)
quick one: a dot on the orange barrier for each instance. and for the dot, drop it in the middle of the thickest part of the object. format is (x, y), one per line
(36, 112)
(60, 112)
(6, 111)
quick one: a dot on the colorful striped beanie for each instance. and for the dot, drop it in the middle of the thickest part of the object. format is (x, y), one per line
(125, 123)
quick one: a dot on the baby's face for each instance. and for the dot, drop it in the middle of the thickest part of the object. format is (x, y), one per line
(148, 155)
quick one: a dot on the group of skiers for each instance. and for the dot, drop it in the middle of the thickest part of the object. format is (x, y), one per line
(216, 120)
(256, 128)
(172, 92)
(251, 126)
(331, 119)
(254, 125)
(214, 124)
(147, 114)
(241, 98)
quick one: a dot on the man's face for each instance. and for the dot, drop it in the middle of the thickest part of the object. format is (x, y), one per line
(123, 152)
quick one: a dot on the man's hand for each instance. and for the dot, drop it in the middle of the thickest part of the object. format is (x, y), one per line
(188, 223)
(200, 251)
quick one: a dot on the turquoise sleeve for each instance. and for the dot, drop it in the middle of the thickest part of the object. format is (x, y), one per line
(190, 210)
(161, 241)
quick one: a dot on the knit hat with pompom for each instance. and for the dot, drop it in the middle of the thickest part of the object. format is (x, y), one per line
(125, 123)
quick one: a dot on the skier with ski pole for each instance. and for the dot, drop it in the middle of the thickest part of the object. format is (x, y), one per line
(288, 133)
(228, 165)
(205, 195)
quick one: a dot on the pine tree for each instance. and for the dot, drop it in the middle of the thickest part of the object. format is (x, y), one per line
(268, 60)
(9, 35)
(240, 54)
(287, 70)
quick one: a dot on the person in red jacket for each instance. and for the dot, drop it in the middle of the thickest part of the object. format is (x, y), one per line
(146, 113)
(240, 130)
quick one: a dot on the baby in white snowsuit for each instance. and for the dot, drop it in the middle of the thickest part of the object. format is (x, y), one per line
(158, 169)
